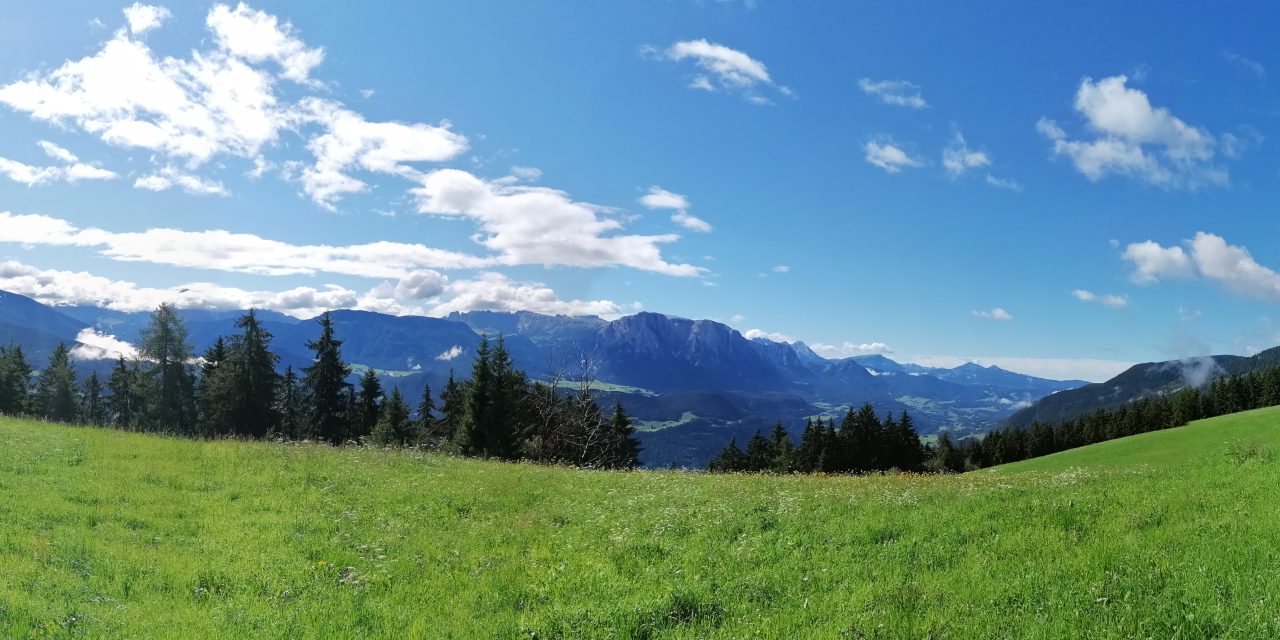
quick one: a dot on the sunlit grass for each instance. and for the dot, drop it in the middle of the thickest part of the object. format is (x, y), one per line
(107, 534)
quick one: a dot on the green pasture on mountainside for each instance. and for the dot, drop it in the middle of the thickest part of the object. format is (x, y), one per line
(109, 534)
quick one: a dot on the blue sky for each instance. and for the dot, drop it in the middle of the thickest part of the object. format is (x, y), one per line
(1061, 190)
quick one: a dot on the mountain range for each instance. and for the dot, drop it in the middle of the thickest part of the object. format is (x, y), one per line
(690, 384)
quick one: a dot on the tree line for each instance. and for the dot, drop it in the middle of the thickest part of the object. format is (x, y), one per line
(1222, 396)
(235, 390)
(863, 443)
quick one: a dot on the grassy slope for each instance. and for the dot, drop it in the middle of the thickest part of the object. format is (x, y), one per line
(111, 534)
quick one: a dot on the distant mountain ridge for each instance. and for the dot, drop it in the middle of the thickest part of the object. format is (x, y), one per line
(1139, 381)
(692, 384)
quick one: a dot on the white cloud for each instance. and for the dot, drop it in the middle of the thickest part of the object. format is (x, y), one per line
(1003, 183)
(889, 157)
(143, 17)
(659, 198)
(1252, 67)
(782, 268)
(1152, 262)
(1211, 257)
(225, 100)
(92, 345)
(995, 314)
(537, 225)
(72, 170)
(169, 177)
(849, 349)
(528, 174)
(256, 36)
(496, 292)
(452, 353)
(59, 288)
(723, 69)
(758, 334)
(1132, 138)
(958, 158)
(1109, 300)
(898, 93)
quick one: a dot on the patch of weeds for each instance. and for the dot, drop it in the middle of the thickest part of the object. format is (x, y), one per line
(1243, 451)
(681, 609)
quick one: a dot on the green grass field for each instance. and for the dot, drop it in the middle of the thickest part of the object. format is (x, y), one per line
(106, 534)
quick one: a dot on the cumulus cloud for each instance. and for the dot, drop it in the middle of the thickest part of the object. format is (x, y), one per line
(899, 93)
(496, 292)
(450, 354)
(958, 158)
(1003, 183)
(169, 177)
(1132, 138)
(537, 225)
(889, 157)
(758, 334)
(1209, 257)
(92, 345)
(995, 314)
(143, 17)
(659, 198)
(224, 101)
(723, 69)
(71, 169)
(1109, 300)
(849, 349)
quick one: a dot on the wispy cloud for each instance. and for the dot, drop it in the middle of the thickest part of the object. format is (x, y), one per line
(898, 93)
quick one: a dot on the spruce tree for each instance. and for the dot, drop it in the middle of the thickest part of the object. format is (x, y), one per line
(56, 397)
(326, 385)
(291, 407)
(213, 391)
(730, 459)
(253, 379)
(759, 453)
(125, 401)
(783, 450)
(169, 380)
(368, 405)
(395, 427)
(94, 409)
(623, 450)
(809, 455)
(424, 425)
(15, 380)
(453, 408)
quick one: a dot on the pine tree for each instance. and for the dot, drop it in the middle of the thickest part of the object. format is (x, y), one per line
(94, 410)
(425, 424)
(623, 448)
(394, 427)
(125, 401)
(730, 459)
(759, 453)
(169, 381)
(56, 397)
(368, 405)
(326, 385)
(213, 391)
(491, 426)
(783, 450)
(910, 451)
(15, 380)
(291, 407)
(452, 411)
(809, 455)
(253, 379)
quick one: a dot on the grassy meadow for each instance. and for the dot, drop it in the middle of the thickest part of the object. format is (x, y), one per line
(1174, 534)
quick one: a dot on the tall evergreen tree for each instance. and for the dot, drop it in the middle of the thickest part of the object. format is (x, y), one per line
(623, 450)
(368, 405)
(425, 422)
(169, 380)
(125, 401)
(213, 391)
(291, 407)
(15, 380)
(783, 450)
(395, 428)
(253, 379)
(326, 385)
(491, 426)
(453, 409)
(94, 409)
(56, 397)
(730, 459)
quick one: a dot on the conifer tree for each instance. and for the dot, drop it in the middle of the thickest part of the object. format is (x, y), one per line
(169, 380)
(213, 391)
(425, 422)
(452, 411)
(368, 405)
(56, 397)
(252, 379)
(94, 409)
(623, 448)
(730, 459)
(809, 454)
(326, 385)
(759, 453)
(783, 450)
(291, 407)
(395, 428)
(15, 380)
(125, 401)
(491, 426)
